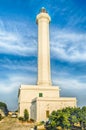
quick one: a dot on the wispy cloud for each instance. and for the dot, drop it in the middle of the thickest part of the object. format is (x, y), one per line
(17, 42)
(65, 45)
(16, 65)
(69, 14)
(70, 83)
(13, 83)
(69, 46)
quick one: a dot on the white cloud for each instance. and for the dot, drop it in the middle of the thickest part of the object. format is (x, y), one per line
(68, 46)
(76, 19)
(70, 83)
(65, 45)
(13, 83)
(18, 66)
(16, 41)
(13, 44)
(66, 80)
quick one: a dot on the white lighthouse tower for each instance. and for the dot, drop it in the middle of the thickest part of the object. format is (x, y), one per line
(44, 76)
(41, 99)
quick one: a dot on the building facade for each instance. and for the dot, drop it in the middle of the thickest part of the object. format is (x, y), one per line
(41, 99)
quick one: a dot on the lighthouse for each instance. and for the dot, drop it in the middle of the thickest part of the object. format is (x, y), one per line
(43, 98)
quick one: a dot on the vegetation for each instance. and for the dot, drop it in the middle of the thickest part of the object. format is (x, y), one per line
(3, 107)
(26, 115)
(67, 118)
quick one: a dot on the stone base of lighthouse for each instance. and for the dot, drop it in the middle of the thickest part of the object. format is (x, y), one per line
(40, 101)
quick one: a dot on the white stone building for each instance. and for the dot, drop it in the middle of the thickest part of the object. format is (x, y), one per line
(43, 98)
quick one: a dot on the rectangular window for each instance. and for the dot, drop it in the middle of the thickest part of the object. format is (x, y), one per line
(40, 94)
(47, 113)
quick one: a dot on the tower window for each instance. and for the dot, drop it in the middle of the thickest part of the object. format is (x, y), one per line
(40, 94)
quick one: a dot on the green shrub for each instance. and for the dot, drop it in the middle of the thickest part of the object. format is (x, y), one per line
(26, 115)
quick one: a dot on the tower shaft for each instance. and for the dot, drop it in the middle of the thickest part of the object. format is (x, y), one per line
(44, 76)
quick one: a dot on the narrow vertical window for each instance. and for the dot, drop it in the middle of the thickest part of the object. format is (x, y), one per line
(47, 113)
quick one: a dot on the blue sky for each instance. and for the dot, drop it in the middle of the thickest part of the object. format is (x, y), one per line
(18, 47)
